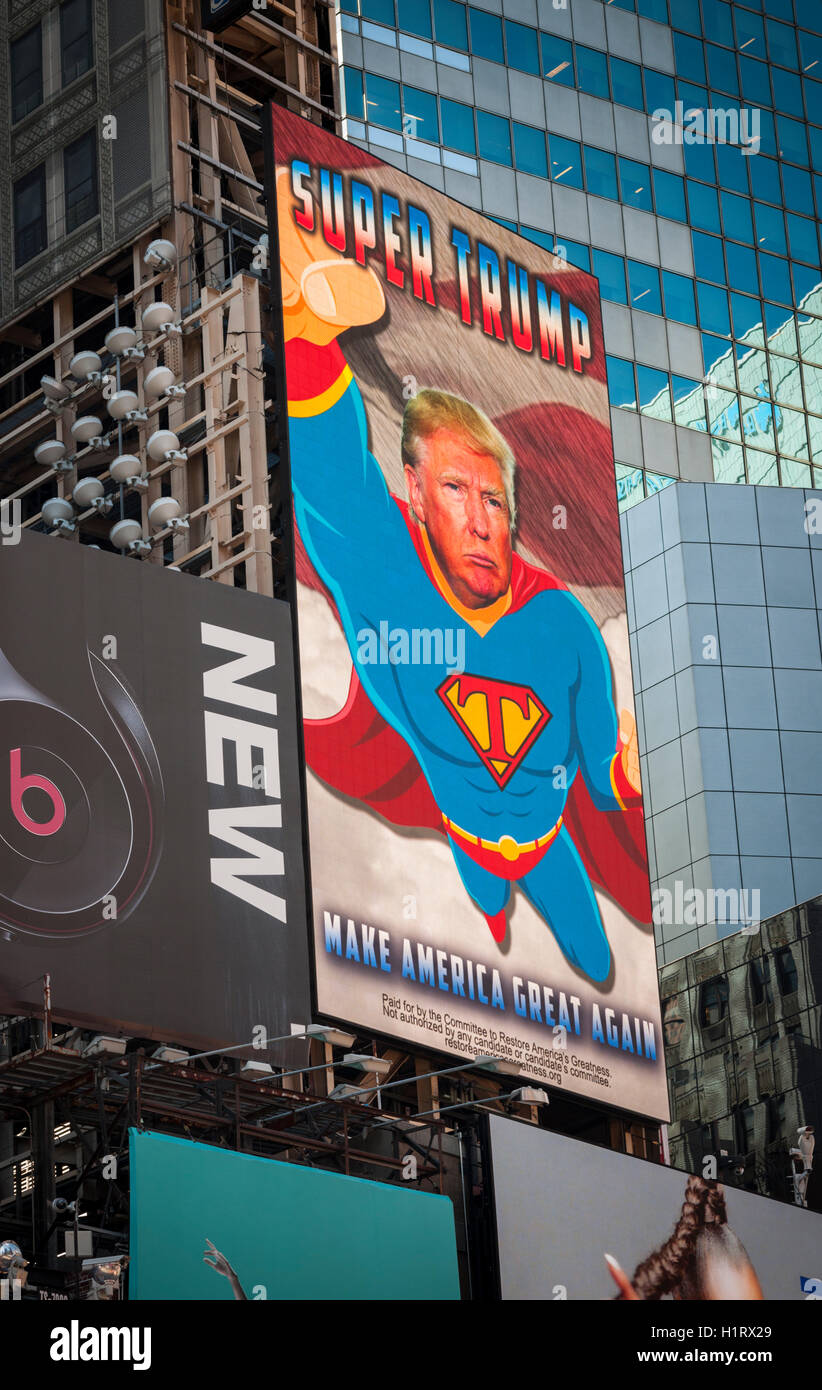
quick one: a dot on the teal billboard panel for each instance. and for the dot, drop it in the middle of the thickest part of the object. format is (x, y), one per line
(209, 1223)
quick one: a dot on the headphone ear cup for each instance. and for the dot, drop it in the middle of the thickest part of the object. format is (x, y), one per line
(80, 814)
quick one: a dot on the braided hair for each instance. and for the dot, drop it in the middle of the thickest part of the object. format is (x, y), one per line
(678, 1266)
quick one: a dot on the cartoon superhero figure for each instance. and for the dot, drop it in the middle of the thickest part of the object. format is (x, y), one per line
(501, 741)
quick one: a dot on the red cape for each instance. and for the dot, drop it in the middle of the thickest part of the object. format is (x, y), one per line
(358, 754)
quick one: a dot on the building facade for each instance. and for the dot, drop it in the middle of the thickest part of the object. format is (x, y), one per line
(675, 151)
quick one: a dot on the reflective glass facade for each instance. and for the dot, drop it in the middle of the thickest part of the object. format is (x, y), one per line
(674, 148)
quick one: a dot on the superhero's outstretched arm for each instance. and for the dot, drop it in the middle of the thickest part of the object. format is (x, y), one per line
(346, 516)
(599, 746)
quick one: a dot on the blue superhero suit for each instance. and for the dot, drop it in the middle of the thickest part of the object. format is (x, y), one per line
(498, 753)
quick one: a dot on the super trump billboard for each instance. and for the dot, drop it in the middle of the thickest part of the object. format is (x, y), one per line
(477, 848)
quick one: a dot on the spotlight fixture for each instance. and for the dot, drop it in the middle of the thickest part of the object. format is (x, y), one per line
(164, 447)
(105, 1046)
(161, 253)
(85, 366)
(129, 470)
(53, 390)
(87, 429)
(120, 339)
(58, 514)
(363, 1061)
(160, 382)
(128, 535)
(166, 512)
(90, 492)
(50, 453)
(125, 405)
(170, 1054)
(158, 317)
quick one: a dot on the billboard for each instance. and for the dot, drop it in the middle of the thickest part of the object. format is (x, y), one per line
(478, 864)
(607, 1225)
(209, 1223)
(150, 829)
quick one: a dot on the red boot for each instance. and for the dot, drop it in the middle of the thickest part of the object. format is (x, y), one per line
(497, 925)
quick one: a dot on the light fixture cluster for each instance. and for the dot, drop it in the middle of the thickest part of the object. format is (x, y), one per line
(89, 433)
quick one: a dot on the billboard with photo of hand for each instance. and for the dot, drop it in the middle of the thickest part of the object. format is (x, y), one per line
(478, 864)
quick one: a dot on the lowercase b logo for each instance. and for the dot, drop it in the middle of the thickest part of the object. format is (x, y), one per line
(80, 808)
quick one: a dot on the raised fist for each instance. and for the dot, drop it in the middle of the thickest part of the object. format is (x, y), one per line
(324, 293)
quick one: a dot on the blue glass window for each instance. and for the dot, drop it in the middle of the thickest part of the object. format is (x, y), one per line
(541, 238)
(458, 126)
(600, 172)
(787, 92)
(780, 327)
(381, 11)
(689, 60)
(776, 282)
(660, 94)
(709, 263)
(732, 167)
(414, 16)
(815, 138)
(626, 80)
(654, 392)
(781, 44)
(765, 179)
(643, 283)
(592, 71)
(685, 15)
(699, 161)
(635, 184)
(756, 87)
(354, 103)
(383, 101)
(450, 24)
(717, 22)
(747, 316)
(610, 271)
(421, 107)
(557, 59)
(521, 45)
(722, 69)
(679, 297)
(770, 228)
(715, 351)
(713, 309)
(653, 9)
(803, 242)
(811, 47)
(704, 206)
(793, 142)
(486, 35)
(806, 282)
(767, 133)
(529, 148)
(750, 33)
(621, 389)
(736, 216)
(566, 165)
(742, 269)
(797, 185)
(493, 138)
(575, 252)
(669, 194)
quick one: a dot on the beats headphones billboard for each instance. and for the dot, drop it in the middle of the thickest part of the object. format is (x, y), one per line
(150, 827)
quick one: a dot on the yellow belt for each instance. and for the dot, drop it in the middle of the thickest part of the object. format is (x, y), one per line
(506, 845)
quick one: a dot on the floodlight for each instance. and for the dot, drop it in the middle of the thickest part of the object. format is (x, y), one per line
(157, 382)
(161, 253)
(363, 1061)
(85, 429)
(163, 512)
(59, 513)
(119, 339)
(170, 1054)
(52, 389)
(254, 1071)
(50, 452)
(163, 446)
(104, 1046)
(157, 316)
(128, 469)
(319, 1033)
(125, 533)
(125, 405)
(530, 1095)
(84, 364)
(87, 492)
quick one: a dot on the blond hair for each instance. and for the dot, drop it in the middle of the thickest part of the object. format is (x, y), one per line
(430, 410)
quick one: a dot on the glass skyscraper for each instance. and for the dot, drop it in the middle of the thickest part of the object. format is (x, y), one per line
(673, 148)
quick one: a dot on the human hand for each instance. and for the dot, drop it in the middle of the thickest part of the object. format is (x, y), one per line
(629, 749)
(324, 293)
